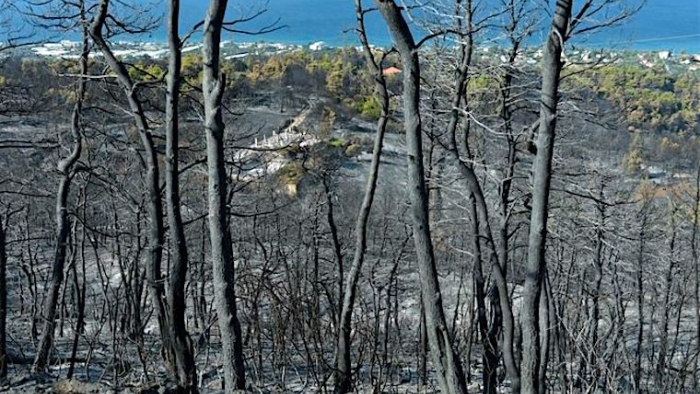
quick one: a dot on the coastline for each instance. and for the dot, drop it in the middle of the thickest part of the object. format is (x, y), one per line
(618, 39)
(688, 44)
(584, 53)
(654, 27)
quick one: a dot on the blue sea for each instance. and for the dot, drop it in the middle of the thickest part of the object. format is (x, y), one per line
(659, 25)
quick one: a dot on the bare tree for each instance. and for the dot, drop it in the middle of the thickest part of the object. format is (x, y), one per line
(156, 231)
(343, 374)
(532, 381)
(695, 255)
(213, 86)
(178, 349)
(445, 360)
(3, 300)
(14, 38)
(67, 169)
(609, 311)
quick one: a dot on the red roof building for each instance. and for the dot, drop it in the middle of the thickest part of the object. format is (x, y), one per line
(391, 71)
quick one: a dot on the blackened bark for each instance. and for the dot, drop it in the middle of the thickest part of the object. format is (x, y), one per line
(664, 361)
(502, 317)
(597, 285)
(488, 334)
(446, 362)
(489, 330)
(343, 369)
(544, 336)
(422, 350)
(337, 246)
(177, 345)
(642, 218)
(80, 289)
(66, 169)
(3, 302)
(552, 64)
(221, 249)
(155, 204)
(696, 270)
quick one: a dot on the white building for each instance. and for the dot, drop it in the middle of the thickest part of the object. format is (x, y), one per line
(317, 46)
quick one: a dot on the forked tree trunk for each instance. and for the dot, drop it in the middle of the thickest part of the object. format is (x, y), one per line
(488, 335)
(489, 331)
(213, 86)
(532, 379)
(66, 168)
(446, 362)
(155, 204)
(502, 317)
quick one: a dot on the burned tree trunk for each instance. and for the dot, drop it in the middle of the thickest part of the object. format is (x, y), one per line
(66, 168)
(177, 347)
(343, 378)
(221, 249)
(3, 302)
(445, 360)
(552, 64)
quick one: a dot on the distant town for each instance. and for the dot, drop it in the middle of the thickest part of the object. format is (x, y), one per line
(671, 61)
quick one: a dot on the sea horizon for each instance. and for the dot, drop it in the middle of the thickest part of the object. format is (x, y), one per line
(656, 27)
